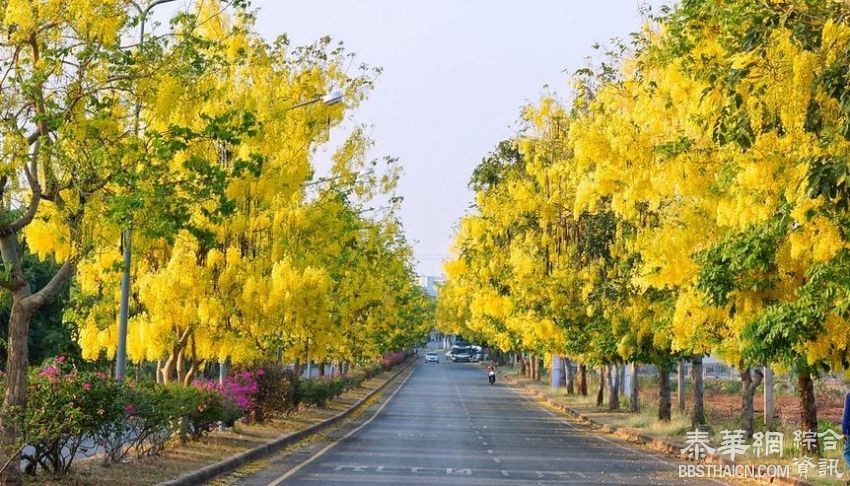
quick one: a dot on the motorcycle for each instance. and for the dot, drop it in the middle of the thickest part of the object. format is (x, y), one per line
(492, 377)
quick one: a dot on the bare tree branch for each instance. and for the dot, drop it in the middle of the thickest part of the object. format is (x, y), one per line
(55, 284)
(35, 197)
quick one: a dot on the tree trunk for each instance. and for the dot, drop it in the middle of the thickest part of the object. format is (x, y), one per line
(680, 386)
(634, 399)
(613, 387)
(664, 404)
(582, 379)
(158, 372)
(15, 400)
(808, 408)
(24, 304)
(181, 365)
(522, 366)
(535, 368)
(622, 378)
(600, 395)
(322, 368)
(532, 360)
(167, 370)
(698, 412)
(748, 390)
(193, 368)
(190, 374)
(569, 376)
(175, 359)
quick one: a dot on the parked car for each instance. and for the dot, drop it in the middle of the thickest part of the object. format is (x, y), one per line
(432, 358)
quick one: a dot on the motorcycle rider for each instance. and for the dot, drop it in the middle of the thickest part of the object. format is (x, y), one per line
(491, 373)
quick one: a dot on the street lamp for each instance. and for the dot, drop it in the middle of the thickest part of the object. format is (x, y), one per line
(330, 99)
(126, 237)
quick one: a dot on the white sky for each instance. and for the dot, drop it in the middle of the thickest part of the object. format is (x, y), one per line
(456, 73)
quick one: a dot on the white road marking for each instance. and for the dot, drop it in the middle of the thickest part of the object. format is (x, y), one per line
(603, 439)
(322, 452)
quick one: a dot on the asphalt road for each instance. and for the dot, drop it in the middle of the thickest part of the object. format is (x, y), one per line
(447, 426)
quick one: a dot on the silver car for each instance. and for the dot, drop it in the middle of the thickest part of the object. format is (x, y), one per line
(432, 358)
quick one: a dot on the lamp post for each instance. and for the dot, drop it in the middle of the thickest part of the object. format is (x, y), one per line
(127, 235)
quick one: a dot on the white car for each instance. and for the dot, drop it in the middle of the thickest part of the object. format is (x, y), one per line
(432, 358)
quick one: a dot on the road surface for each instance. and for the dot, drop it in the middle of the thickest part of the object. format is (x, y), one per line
(447, 426)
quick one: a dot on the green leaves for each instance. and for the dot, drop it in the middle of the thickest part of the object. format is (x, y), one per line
(828, 177)
(159, 201)
(744, 261)
(776, 336)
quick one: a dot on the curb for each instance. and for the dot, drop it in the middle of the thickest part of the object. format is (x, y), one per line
(667, 447)
(211, 471)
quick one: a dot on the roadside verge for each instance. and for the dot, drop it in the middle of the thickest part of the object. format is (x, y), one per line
(667, 447)
(234, 462)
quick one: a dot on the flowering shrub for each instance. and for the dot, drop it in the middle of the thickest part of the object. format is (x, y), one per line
(200, 408)
(318, 391)
(242, 388)
(70, 412)
(278, 391)
(391, 359)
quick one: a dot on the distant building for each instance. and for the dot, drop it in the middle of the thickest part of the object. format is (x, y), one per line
(430, 283)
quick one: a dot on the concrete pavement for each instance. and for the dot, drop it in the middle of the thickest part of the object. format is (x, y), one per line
(447, 426)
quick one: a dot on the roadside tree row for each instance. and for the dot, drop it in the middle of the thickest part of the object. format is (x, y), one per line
(690, 200)
(194, 144)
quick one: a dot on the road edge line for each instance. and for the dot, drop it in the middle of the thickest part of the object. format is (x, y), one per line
(330, 446)
(236, 461)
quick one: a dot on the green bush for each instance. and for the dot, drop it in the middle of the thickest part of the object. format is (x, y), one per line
(200, 409)
(154, 414)
(317, 391)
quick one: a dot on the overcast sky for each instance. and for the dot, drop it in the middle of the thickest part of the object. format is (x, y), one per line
(456, 73)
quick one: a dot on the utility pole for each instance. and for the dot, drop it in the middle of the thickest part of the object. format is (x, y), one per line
(768, 396)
